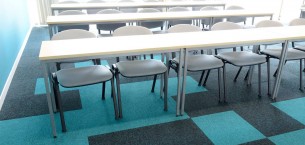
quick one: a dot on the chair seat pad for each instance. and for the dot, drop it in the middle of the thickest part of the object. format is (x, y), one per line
(292, 54)
(242, 58)
(201, 62)
(140, 68)
(302, 48)
(75, 77)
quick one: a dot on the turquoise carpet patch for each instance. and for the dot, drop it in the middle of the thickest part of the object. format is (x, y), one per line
(291, 138)
(294, 108)
(227, 128)
(140, 108)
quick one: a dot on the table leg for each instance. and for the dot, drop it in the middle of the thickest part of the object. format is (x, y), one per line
(51, 31)
(280, 68)
(178, 104)
(49, 99)
(184, 81)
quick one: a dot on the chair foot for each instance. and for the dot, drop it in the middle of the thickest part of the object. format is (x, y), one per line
(301, 89)
(259, 96)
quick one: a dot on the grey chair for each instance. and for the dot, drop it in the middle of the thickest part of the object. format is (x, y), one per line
(175, 22)
(112, 26)
(94, 11)
(292, 54)
(206, 21)
(138, 68)
(151, 24)
(73, 34)
(236, 19)
(195, 63)
(297, 22)
(128, 10)
(83, 76)
(66, 2)
(241, 58)
(72, 12)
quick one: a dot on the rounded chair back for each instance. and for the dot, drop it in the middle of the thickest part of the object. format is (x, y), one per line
(132, 30)
(73, 34)
(296, 22)
(183, 28)
(268, 23)
(225, 26)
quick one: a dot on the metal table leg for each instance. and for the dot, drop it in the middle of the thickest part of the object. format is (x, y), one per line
(280, 68)
(184, 81)
(49, 99)
(178, 105)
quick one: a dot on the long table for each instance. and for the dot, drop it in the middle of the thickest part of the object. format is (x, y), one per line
(54, 21)
(52, 51)
(118, 5)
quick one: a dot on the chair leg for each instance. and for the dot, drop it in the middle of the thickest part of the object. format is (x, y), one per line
(154, 84)
(58, 66)
(247, 75)
(219, 84)
(236, 76)
(151, 56)
(60, 108)
(301, 76)
(224, 84)
(104, 90)
(201, 77)
(241, 48)
(268, 75)
(215, 50)
(144, 56)
(113, 94)
(119, 94)
(206, 78)
(259, 81)
(165, 90)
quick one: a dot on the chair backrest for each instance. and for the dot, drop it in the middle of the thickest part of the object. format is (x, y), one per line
(268, 23)
(128, 10)
(236, 19)
(109, 11)
(131, 30)
(183, 28)
(67, 2)
(94, 11)
(112, 26)
(298, 21)
(150, 24)
(207, 20)
(73, 34)
(225, 26)
(152, 0)
(72, 12)
(178, 9)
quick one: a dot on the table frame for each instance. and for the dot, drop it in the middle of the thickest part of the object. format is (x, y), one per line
(256, 36)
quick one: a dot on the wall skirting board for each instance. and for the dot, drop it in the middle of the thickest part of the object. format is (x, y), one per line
(12, 72)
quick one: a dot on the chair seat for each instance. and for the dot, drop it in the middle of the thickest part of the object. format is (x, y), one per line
(302, 48)
(201, 62)
(242, 58)
(292, 54)
(140, 68)
(75, 77)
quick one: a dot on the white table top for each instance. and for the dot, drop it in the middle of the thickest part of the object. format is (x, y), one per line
(126, 17)
(135, 4)
(116, 46)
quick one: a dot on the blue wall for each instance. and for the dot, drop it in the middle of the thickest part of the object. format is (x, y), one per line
(14, 26)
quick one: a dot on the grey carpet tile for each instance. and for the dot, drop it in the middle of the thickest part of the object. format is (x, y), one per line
(35, 73)
(260, 142)
(32, 105)
(29, 62)
(21, 87)
(266, 118)
(183, 132)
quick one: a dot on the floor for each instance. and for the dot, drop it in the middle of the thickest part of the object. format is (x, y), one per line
(245, 119)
